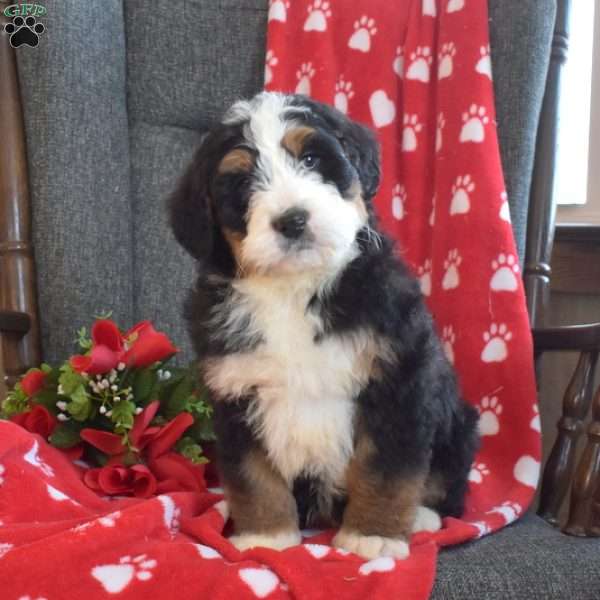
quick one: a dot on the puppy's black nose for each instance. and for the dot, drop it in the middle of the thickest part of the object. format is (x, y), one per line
(291, 223)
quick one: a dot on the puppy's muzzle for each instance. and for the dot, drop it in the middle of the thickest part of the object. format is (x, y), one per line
(292, 223)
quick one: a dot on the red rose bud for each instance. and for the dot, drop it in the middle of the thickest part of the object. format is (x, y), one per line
(37, 420)
(144, 482)
(106, 333)
(148, 347)
(175, 473)
(101, 359)
(33, 382)
(119, 480)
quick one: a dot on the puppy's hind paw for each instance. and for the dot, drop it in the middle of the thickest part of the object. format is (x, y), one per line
(371, 546)
(275, 541)
(426, 519)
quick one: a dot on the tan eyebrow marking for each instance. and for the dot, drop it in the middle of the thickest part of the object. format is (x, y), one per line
(294, 140)
(236, 161)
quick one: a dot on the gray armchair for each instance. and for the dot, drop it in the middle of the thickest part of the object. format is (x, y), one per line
(115, 101)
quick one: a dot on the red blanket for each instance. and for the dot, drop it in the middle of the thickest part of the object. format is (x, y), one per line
(419, 72)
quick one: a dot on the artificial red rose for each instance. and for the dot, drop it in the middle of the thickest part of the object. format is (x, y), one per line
(147, 346)
(37, 420)
(175, 473)
(107, 350)
(33, 382)
(120, 480)
(165, 438)
(106, 441)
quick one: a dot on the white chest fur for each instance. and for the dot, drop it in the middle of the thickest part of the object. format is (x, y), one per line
(304, 391)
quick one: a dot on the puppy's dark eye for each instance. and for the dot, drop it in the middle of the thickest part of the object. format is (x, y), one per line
(309, 160)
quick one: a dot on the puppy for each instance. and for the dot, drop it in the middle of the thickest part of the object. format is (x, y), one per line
(333, 401)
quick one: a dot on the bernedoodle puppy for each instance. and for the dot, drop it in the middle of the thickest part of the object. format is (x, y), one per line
(334, 402)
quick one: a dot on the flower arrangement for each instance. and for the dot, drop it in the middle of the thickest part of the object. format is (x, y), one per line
(137, 425)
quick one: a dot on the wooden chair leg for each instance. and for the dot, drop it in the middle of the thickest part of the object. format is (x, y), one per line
(559, 468)
(587, 479)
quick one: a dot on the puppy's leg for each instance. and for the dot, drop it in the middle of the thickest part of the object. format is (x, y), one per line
(262, 506)
(382, 508)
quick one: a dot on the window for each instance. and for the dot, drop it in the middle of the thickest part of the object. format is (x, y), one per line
(578, 164)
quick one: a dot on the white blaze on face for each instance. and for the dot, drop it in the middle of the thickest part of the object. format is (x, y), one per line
(333, 221)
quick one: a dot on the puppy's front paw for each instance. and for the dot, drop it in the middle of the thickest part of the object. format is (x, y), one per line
(371, 546)
(426, 519)
(275, 541)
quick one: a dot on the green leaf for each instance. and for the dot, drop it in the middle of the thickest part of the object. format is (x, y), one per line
(15, 402)
(123, 413)
(47, 398)
(64, 436)
(178, 401)
(144, 384)
(46, 368)
(80, 406)
(191, 450)
(70, 379)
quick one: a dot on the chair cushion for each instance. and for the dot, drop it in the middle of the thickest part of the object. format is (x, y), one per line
(530, 560)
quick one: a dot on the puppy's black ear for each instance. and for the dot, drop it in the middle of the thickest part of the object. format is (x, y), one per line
(190, 210)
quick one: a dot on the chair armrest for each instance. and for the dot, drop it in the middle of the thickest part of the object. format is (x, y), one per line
(14, 322)
(582, 338)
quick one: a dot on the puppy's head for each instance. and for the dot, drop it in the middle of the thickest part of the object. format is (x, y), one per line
(282, 185)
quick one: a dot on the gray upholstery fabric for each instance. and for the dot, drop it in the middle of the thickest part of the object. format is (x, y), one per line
(529, 560)
(177, 88)
(78, 150)
(521, 36)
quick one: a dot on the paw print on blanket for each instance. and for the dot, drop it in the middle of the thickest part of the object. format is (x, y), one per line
(509, 511)
(270, 62)
(439, 138)
(115, 578)
(448, 340)
(278, 10)
(496, 349)
(24, 31)
(484, 64)
(32, 598)
(455, 5)
(383, 110)
(527, 471)
(409, 134)
(429, 8)
(304, 74)
(474, 122)
(2, 472)
(424, 277)
(451, 278)
(262, 582)
(482, 528)
(432, 213)
(4, 548)
(489, 410)
(504, 208)
(420, 63)
(398, 201)
(364, 30)
(398, 64)
(478, 472)
(318, 13)
(343, 94)
(446, 60)
(461, 191)
(32, 457)
(535, 423)
(506, 271)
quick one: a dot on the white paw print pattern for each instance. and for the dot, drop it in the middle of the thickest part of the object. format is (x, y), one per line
(304, 74)
(474, 122)
(484, 64)
(2, 472)
(420, 64)
(4, 548)
(398, 201)
(424, 277)
(446, 60)
(409, 134)
(32, 598)
(318, 13)
(207, 552)
(508, 510)
(451, 279)
(478, 472)
(278, 10)
(489, 410)
(496, 349)
(504, 208)
(33, 459)
(461, 195)
(429, 8)
(432, 213)
(270, 62)
(536, 423)
(482, 528)
(439, 136)
(115, 578)
(527, 471)
(317, 550)
(343, 94)
(383, 110)
(364, 30)
(398, 64)
(455, 5)
(262, 582)
(448, 340)
(506, 270)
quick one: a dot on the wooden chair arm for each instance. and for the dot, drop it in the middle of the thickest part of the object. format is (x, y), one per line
(14, 322)
(581, 338)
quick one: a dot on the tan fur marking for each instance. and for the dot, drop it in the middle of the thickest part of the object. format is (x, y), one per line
(295, 139)
(262, 503)
(377, 506)
(236, 161)
(355, 193)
